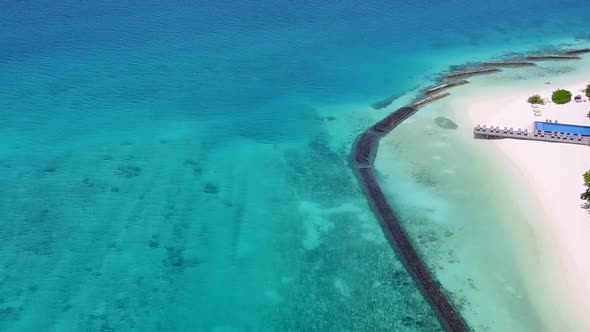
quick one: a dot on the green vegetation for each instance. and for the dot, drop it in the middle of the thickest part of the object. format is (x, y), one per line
(586, 195)
(588, 90)
(561, 96)
(536, 99)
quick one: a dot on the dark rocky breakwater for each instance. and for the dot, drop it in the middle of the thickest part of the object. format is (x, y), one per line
(441, 87)
(552, 57)
(578, 51)
(430, 99)
(473, 72)
(508, 64)
(362, 158)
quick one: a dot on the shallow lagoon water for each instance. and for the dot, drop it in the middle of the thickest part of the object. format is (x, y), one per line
(183, 166)
(458, 207)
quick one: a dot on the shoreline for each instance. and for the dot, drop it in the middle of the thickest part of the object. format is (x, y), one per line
(551, 176)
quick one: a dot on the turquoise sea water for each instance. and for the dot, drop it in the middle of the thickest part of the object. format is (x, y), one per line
(182, 166)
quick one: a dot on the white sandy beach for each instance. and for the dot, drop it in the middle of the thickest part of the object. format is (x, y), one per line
(552, 174)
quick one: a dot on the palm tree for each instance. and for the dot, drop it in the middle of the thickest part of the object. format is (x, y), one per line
(586, 195)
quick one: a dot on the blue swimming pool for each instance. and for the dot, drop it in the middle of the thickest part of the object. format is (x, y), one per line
(562, 128)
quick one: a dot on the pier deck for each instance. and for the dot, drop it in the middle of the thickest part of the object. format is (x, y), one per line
(536, 135)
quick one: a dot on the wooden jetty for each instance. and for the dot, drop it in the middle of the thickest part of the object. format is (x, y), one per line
(473, 72)
(508, 64)
(445, 86)
(579, 51)
(552, 57)
(535, 135)
(362, 158)
(430, 99)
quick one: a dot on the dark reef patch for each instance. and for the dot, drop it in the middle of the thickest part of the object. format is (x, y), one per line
(425, 178)
(49, 170)
(385, 102)
(129, 171)
(445, 123)
(197, 169)
(210, 189)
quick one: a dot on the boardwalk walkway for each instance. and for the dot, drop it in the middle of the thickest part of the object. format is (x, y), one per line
(537, 135)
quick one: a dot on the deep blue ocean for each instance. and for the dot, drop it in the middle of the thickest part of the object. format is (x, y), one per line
(182, 165)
